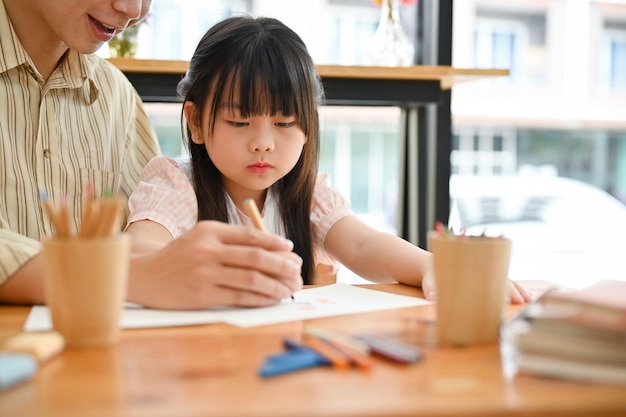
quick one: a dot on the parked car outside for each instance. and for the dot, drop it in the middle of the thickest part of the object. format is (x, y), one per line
(563, 230)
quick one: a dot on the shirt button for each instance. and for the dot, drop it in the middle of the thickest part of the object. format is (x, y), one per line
(46, 153)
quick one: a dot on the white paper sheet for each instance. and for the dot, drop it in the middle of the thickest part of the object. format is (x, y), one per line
(330, 300)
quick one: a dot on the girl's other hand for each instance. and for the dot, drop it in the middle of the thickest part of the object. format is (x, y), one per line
(517, 294)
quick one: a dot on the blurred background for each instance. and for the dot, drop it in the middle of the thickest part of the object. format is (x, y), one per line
(538, 156)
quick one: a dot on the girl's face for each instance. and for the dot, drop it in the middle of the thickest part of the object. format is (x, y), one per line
(251, 153)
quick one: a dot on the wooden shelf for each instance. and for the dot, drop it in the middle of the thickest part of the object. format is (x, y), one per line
(151, 66)
(447, 76)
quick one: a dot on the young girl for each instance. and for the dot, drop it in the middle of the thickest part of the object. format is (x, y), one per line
(250, 102)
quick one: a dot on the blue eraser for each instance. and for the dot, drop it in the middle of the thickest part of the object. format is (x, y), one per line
(15, 368)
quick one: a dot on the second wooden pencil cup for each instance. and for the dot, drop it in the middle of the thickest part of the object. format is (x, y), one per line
(85, 282)
(471, 279)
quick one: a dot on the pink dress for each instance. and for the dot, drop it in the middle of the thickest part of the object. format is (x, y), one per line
(165, 195)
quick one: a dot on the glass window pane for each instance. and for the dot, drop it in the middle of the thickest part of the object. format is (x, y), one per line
(540, 157)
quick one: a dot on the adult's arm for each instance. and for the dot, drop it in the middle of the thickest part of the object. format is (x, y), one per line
(20, 269)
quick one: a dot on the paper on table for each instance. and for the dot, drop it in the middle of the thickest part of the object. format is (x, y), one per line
(330, 300)
(327, 301)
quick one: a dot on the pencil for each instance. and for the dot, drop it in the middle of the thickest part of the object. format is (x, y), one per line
(90, 214)
(337, 358)
(330, 336)
(109, 216)
(252, 211)
(249, 206)
(355, 350)
(100, 218)
(60, 220)
(47, 205)
(64, 219)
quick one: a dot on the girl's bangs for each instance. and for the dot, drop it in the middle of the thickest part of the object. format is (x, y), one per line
(259, 88)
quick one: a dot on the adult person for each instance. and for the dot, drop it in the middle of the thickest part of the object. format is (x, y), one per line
(69, 118)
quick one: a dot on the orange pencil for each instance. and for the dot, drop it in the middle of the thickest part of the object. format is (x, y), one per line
(338, 337)
(337, 359)
(47, 205)
(355, 350)
(89, 221)
(109, 216)
(249, 206)
(60, 219)
(362, 360)
(64, 219)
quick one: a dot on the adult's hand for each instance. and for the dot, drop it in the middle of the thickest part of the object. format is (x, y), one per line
(212, 264)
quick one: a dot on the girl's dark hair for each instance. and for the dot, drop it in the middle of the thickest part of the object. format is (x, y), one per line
(261, 67)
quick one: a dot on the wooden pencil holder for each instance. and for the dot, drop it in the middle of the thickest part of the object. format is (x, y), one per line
(471, 278)
(85, 282)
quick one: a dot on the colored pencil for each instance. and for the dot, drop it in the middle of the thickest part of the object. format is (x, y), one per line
(356, 350)
(100, 216)
(64, 219)
(252, 211)
(337, 358)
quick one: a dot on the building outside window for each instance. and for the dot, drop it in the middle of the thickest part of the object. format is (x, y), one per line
(552, 134)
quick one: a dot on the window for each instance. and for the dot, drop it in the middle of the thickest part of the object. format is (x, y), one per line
(540, 157)
(173, 28)
(615, 61)
(484, 151)
(515, 41)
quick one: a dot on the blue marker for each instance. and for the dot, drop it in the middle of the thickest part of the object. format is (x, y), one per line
(296, 357)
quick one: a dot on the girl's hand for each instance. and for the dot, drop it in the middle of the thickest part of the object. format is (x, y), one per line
(428, 285)
(517, 294)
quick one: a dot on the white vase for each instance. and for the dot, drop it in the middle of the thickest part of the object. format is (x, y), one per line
(389, 46)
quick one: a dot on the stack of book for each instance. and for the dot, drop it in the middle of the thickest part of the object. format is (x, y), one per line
(576, 334)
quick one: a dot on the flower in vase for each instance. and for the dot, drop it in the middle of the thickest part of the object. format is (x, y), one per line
(402, 2)
(389, 46)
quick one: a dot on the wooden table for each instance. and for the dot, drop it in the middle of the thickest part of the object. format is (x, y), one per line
(211, 370)
(156, 81)
(422, 92)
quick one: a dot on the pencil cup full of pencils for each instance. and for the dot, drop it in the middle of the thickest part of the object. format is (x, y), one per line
(86, 274)
(471, 278)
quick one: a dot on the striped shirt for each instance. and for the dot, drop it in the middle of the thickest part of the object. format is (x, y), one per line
(85, 124)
